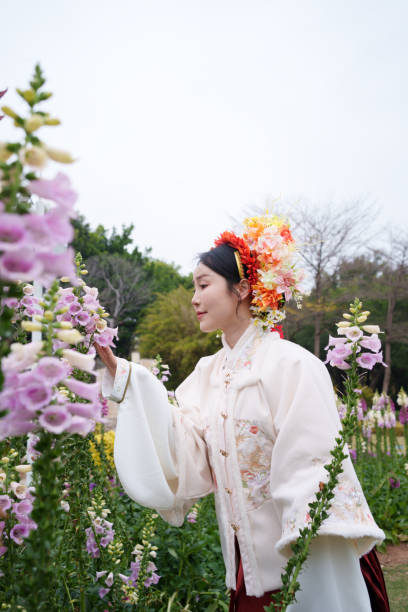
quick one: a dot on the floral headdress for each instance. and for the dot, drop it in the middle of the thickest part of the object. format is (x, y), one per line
(268, 252)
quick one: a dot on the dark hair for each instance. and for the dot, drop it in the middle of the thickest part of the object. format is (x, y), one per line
(222, 260)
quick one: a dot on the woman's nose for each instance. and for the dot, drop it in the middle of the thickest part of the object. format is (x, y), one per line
(194, 299)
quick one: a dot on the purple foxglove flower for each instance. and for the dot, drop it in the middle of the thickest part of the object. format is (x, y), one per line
(39, 233)
(100, 574)
(2, 525)
(81, 426)
(57, 189)
(353, 333)
(20, 265)
(102, 592)
(5, 503)
(91, 545)
(92, 485)
(67, 298)
(341, 351)
(109, 579)
(19, 532)
(57, 264)
(106, 337)
(82, 318)
(336, 362)
(87, 411)
(395, 483)
(10, 302)
(3, 549)
(373, 343)
(35, 394)
(353, 454)
(89, 391)
(403, 415)
(51, 370)
(22, 508)
(368, 360)
(59, 227)
(107, 539)
(124, 578)
(333, 341)
(12, 232)
(74, 308)
(27, 301)
(55, 419)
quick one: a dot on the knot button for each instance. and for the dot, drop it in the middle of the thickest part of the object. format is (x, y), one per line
(223, 453)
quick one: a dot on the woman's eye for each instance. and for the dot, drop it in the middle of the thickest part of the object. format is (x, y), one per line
(203, 286)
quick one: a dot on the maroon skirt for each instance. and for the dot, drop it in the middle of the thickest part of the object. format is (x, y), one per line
(370, 568)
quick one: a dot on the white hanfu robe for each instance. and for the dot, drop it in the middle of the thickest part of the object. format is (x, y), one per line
(254, 424)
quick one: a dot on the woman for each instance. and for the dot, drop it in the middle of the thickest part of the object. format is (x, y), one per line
(254, 424)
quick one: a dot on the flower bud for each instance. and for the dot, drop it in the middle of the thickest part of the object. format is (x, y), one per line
(52, 121)
(65, 279)
(62, 310)
(9, 112)
(366, 313)
(28, 289)
(48, 315)
(343, 324)
(84, 272)
(31, 326)
(5, 154)
(71, 336)
(34, 156)
(33, 123)
(371, 329)
(38, 317)
(27, 94)
(346, 315)
(361, 319)
(63, 157)
(5, 460)
(65, 325)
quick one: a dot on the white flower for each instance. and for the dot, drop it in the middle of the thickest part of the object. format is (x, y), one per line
(342, 324)
(22, 356)
(101, 324)
(371, 329)
(71, 336)
(64, 505)
(79, 360)
(23, 469)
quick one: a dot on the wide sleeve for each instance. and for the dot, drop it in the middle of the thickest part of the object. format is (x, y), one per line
(306, 424)
(331, 579)
(160, 454)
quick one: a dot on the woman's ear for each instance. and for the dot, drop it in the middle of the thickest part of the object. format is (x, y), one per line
(244, 288)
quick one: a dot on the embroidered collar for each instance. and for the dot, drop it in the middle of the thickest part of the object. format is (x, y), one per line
(253, 330)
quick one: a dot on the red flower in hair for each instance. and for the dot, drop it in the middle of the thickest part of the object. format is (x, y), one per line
(241, 246)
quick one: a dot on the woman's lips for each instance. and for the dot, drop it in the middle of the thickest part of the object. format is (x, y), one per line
(200, 314)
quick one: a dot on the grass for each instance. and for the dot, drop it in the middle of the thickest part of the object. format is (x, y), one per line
(396, 579)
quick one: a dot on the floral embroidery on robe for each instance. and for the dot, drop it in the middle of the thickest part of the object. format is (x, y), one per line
(254, 451)
(349, 505)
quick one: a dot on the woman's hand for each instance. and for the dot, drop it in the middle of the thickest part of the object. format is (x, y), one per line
(108, 358)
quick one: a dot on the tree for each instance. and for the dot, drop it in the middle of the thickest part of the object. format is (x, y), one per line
(123, 289)
(325, 236)
(394, 284)
(92, 243)
(170, 327)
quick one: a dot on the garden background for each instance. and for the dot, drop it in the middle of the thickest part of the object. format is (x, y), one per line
(73, 538)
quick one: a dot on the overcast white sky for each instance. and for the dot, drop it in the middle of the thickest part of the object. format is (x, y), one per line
(182, 113)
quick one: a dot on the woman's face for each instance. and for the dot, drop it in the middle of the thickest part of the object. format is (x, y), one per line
(214, 303)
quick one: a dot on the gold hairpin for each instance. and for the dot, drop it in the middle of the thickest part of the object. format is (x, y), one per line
(239, 265)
